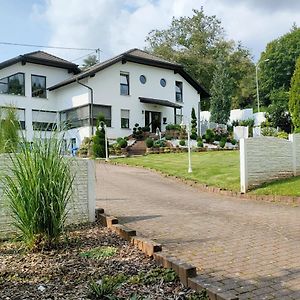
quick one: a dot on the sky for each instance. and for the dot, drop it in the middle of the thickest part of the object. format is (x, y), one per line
(115, 26)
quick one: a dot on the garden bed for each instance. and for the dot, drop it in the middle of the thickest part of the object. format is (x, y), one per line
(84, 258)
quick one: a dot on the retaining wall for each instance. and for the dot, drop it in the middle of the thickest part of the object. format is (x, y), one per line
(265, 159)
(82, 206)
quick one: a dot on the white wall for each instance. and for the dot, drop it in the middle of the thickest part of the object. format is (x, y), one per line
(264, 159)
(82, 206)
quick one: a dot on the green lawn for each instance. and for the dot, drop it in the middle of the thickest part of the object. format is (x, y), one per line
(214, 168)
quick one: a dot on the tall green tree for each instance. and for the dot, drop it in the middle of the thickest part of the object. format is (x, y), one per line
(220, 94)
(194, 124)
(196, 42)
(99, 138)
(281, 55)
(294, 101)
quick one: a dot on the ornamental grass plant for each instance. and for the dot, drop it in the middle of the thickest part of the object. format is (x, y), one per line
(38, 188)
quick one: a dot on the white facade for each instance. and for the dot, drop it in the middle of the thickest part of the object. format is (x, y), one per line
(105, 85)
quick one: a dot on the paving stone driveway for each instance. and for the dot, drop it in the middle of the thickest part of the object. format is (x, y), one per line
(247, 247)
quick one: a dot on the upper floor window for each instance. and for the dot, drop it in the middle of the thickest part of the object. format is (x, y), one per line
(38, 86)
(14, 84)
(178, 91)
(124, 83)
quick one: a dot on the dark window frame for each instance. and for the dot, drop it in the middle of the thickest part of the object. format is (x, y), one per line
(143, 79)
(163, 82)
(126, 91)
(8, 86)
(43, 89)
(179, 95)
(125, 122)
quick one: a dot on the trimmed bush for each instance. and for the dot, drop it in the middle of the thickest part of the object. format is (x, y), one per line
(223, 142)
(149, 142)
(182, 142)
(200, 143)
(233, 142)
(159, 144)
(122, 142)
(209, 136)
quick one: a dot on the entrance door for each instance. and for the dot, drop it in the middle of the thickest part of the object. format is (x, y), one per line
(153, 119)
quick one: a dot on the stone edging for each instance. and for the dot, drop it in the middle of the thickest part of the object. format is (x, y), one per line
(186, 272)
(212, 189)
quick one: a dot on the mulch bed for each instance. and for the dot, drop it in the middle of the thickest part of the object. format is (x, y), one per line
(64, 273)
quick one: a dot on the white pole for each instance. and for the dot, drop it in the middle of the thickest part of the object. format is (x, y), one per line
(257, 91)
(106, 149)
(189, 148)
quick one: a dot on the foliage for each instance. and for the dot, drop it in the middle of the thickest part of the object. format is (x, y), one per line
(282, 135)
(268, 131)
(233, 142)
(277, 113)
(199, 296)
(39, 190)
(276, 73)
(149, 142)
(173, 127)
(105, 288)
(220, 94)
(137, 132)
(100, 252)
(199, 143)
(196, 42)
(89, 61)
(146, 129)
(294, 101)
(9, 130)
(159, 144)
(85, 146)
(248, 122)
(168, 137)
(194, 125)
(122, 142)
(222, 142)
(209, 136)
(99, 139)
(182, 142)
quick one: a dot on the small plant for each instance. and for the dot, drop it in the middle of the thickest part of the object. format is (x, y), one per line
(159, 144)
(233, 142)
(268, 131)
(99, 138)
(146, 129)
(149, 142)
(173, 127)
(137, 132)
(200, 143)
(223, 142)
(182, 142)
(85, 147)
(209, 136)
(122, 143)
(282, 135)
(104, 288)
(99, 252)
(199, 296)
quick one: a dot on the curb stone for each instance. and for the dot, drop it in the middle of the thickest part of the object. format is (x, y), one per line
(186, 272)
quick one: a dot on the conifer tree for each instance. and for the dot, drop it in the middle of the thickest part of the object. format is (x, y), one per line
(194, 125)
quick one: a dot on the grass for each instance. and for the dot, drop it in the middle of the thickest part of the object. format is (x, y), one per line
(218, 169)
(214, 168)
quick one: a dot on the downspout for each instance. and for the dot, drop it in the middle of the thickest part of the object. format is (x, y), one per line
(92, 103)
(199, 116)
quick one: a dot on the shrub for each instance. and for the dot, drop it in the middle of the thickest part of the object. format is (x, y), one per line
(233, 141)
(122, 142)
(85, 146)
(193, 124)
(194, 136)
(223, 142)
(39, 191)
(149, 142)
(268, 131)
(168, 137)
(146, 129)
(200, 143)
(159, 144)
(209, 136)
(282, 135)
(173, 127)
(182, 142)
(137, 132)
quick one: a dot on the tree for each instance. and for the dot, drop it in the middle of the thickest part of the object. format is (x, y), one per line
(196, 42)
(194, 125)
(89, 61)
(276, 73)
(294, 101)
(220, 94)
(278, 113)
(99, 138)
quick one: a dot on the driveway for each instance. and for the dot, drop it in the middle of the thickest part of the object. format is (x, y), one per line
(247, 247)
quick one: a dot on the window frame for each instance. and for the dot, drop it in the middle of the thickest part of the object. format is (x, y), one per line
(44, 126)
(179, 84)
(126, 75)
(8, 92)
(44, 89)
(127, 120)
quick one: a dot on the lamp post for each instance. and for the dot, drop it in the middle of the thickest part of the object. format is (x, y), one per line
(187, 126)
(257, 90)
(106, 140)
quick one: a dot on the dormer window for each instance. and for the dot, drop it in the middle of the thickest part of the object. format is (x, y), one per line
(13, 85)
(124, 83)
(38, 86)
(178, 91)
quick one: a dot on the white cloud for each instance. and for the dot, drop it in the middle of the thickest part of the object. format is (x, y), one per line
(116, 26)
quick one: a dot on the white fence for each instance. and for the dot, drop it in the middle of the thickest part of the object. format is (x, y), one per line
(265, 159)
(82, 206)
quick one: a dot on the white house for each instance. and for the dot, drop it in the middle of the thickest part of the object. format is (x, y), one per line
(133, 87)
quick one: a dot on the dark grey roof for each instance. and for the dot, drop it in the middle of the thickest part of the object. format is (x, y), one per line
(42, 58)
(159, 102)
(136, 56)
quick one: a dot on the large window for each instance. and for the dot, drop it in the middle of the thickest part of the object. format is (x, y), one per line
(80, 116)
(20, 115)
(124, 118)
(44, 120)
(124, 83)
(14, 84)
(38, 86)
(178, 91)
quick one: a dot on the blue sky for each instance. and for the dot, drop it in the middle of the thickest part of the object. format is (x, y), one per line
(118, 25)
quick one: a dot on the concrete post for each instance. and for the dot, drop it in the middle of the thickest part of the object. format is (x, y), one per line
(292, 139)
(243, 166)
(91, 190)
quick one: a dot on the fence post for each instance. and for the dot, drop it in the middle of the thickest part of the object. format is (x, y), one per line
(91, 190)
(243, 166)
(292, 139)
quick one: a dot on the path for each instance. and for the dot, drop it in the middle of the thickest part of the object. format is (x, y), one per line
(247, 247)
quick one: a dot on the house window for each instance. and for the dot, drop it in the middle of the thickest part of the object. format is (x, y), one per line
(124, 118)
(13, 85)
(19, 114)
(38, 86)
(124, 84)
(178, 91)
(163, 82)
(44, 120)
(104, 111)
(178, 119)
(143, 79)
(75, 117)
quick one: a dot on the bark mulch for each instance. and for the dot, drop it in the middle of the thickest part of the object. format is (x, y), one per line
(67, 271)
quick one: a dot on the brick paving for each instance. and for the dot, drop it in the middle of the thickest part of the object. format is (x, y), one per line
(245, 247)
